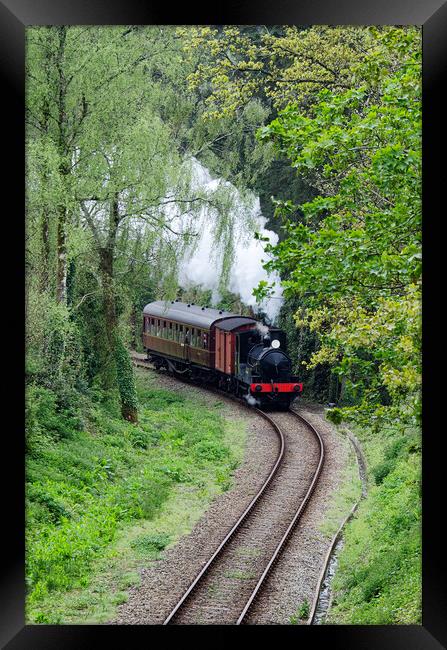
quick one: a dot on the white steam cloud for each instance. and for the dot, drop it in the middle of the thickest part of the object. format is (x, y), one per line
(251, 400)
(262, 329)
(202, 264)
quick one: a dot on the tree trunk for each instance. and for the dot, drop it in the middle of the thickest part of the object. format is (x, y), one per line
(342, 389)
(45, 221)
(333, 388)
(45, 273)
(61, 292)
(110, 320)
(64, 169)
(118, 361)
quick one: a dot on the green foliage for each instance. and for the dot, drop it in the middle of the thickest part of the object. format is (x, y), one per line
(46, 420)
(335, 415)
(353, 258)
(54, 357)
(281, 63)
(126, 382)
(382, 470)
(378, 578)
(85, 487)
(150, 545)
(302, 613)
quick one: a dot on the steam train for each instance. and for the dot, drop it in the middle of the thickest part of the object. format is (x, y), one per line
(235, 353)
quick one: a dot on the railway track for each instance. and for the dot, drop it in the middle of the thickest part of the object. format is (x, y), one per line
(237, 573)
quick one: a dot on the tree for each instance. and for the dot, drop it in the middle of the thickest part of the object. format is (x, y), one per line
(108, 169)
(282, 64)
(355, 257)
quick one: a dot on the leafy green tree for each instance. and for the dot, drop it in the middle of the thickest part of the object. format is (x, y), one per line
(283, 64)
(110, 131)
(355, 256)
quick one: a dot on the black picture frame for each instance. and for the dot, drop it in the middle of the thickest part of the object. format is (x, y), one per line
(15, 15)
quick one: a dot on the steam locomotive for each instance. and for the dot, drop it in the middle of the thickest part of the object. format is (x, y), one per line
(235, 353)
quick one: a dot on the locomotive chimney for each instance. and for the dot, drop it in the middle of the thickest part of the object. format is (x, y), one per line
(267, 340)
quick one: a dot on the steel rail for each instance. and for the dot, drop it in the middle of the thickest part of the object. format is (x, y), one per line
(281, 545)
(236, 526)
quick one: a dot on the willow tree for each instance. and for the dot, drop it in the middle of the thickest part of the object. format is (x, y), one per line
(108, 132)
(97, 149)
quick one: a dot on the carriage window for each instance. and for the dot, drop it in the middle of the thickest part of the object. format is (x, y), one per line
(170, 331)
(205, 340)
(158, 327)
(193, 337)
(187, 337)
(180, 336)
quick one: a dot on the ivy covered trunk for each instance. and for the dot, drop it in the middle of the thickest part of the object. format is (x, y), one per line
(64, 165)
(118, 363)
(126, 382)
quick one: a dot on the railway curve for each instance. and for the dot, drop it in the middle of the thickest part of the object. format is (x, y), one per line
(236, 573)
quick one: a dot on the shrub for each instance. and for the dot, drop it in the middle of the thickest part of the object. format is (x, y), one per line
(140, 438)
(46, 421)
(36, 494)
(382, 470)
(210, 450)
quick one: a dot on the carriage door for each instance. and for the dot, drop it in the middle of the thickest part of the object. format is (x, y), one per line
(229, 353)
(188, 333)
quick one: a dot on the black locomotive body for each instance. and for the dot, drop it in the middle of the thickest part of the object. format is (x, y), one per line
(235, 353)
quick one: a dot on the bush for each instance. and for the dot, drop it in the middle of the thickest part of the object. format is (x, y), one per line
(210, 450)
(54, 357)
(47, 421)
(54, 510)
(381, 471)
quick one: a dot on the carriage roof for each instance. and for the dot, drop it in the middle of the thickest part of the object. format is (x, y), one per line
(195, 315)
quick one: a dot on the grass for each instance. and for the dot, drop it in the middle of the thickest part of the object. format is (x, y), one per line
(238, 574)
(106, 499)
(344, 498)
(302, 613)
(378, 578)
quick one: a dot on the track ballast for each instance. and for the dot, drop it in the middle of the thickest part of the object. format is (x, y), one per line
(237, 572)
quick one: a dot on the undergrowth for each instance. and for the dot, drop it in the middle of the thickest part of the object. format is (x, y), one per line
(105, 496)
(378, 578)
